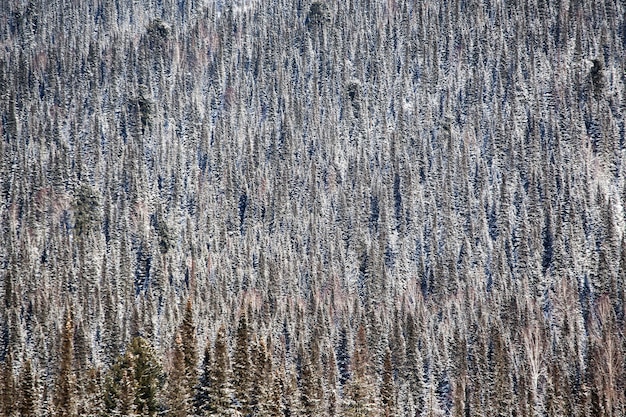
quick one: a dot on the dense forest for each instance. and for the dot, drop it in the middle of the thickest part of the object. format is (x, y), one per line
(312, 208)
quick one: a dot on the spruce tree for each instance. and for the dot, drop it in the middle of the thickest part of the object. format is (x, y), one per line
(65, 392)
(148, 375)
(387, 390)
(134, 381)
(178, 394)
(242, 366)
(263, 381)
(360, 398)
(190, 347)
(214, 392)
(8, 389)
(202, 395)
(311, 383)
(28, 391)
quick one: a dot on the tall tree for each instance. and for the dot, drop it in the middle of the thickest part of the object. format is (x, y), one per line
(360, 398)
(178, 392)
(65, 392)
(242, 366)
(190, 347)
(134, 381)
(28, 392)
(8, 389)
(214, 394)
(387, 390)
(311, 383)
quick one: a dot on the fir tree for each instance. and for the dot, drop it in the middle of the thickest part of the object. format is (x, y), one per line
(28, 392)
(178, 394)
(190, 347)
(311, 383)
(8, 391)
(134, 381)
(214, 392)
(387, 390)
(65, 392)
(242, 366)
(360, 392)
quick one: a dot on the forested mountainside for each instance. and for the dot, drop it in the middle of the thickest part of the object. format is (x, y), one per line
(328, 208)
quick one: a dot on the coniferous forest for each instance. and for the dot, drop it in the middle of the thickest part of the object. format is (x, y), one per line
(312, 208)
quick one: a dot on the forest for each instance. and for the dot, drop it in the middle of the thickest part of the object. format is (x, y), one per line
(312, 208)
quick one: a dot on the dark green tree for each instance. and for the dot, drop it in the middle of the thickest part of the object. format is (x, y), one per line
(360, 395)
(178, 392)
(214, 392)
(134, 381)
(190, 347)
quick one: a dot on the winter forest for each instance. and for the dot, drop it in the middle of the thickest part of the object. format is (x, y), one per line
(312, 208)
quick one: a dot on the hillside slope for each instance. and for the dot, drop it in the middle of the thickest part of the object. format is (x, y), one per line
(358, 207)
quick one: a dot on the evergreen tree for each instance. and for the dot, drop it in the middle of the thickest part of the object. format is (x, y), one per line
(343, 357)
(360, 398)
(178, 394)
(311, 383)
(242, 366)
(263, 395)
(65, 392)
(190, 347)
(134, 381)
(202, 398)
(8, 389)
(214, 392)
(387, 390)
(413, 363)
(91, 398)
(28, 392)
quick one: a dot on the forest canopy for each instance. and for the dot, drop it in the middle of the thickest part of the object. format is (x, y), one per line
(312, 208)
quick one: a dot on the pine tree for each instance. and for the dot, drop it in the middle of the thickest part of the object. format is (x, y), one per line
(343, 357)
(332, 397)
(202, 397)
(120, 387)
(263, 382)
(413, 363)
(148, 375)
(91, 398)
(311, 383)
